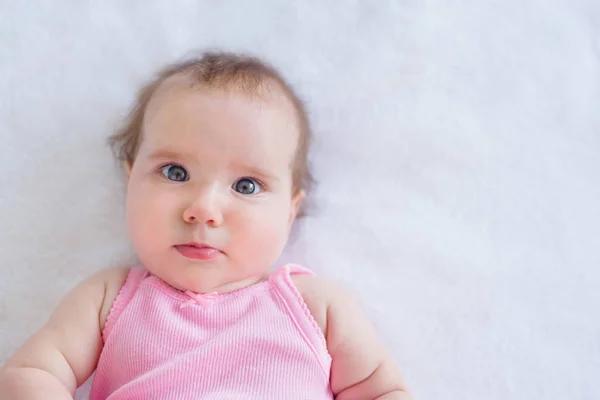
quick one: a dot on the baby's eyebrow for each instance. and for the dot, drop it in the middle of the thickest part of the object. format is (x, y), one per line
(256, 171)
(161, 154)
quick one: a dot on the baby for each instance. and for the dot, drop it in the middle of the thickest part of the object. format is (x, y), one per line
(215, 153)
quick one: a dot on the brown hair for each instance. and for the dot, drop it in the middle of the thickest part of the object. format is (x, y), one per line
(224, 71)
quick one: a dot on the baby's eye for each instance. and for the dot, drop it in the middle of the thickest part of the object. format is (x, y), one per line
(246, 186)
(175, 173)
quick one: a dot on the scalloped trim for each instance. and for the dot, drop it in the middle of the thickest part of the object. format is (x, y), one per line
(121, 301)
(288, 280)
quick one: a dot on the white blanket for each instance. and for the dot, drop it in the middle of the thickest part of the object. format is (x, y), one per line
(457, 153)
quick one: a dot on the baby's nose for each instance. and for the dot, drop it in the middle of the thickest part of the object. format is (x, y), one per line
(205, 208)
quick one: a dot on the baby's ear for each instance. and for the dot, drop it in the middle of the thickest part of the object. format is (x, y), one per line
(296, 203)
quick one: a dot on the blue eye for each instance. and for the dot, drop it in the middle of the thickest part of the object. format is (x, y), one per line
(175, 173)
(246, 186)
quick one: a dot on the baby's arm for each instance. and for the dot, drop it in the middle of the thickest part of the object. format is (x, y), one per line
(63, 354)
(361, 367)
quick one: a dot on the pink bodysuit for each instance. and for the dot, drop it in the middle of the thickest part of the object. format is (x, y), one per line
(258, 342)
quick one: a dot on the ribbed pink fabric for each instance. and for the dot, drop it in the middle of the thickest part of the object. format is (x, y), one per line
(259, 342)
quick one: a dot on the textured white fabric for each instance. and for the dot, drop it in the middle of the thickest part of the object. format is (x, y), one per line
(456, 150)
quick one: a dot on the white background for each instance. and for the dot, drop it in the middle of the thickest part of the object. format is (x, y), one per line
(457, 153)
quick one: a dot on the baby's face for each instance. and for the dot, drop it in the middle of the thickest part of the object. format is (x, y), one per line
(209, 199)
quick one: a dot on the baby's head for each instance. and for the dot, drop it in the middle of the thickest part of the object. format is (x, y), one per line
(216, 157)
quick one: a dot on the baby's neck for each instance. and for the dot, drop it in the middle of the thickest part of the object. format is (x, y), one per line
(236, 285)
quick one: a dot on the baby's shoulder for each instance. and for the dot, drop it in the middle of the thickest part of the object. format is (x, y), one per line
(318, 294)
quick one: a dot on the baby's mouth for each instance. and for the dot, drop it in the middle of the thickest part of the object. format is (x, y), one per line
(198, 251)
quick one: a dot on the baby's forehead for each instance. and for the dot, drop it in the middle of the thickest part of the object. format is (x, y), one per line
(267, 96)
(265, 89)
(262, 116)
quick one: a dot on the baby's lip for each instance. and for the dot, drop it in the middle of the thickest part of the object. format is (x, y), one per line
(198, 245)
(198, 251)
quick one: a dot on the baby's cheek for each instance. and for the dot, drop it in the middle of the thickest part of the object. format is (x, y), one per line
(268, 236)
(137, 227)
(143, 220)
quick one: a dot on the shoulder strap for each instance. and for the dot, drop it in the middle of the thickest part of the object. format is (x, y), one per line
(134, 277)
(299, 312)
